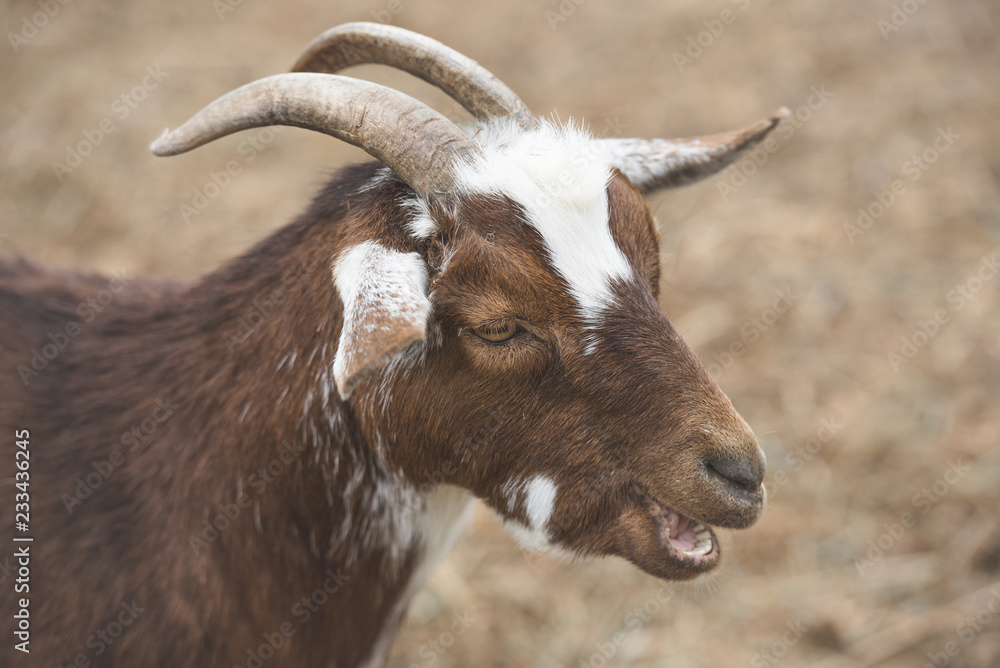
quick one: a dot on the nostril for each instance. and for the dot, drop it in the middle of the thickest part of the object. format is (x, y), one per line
(742, 472)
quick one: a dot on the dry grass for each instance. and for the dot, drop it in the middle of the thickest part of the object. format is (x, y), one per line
(898, 431)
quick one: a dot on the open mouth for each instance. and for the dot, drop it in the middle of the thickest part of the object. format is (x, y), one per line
(665, 541)
(684, 539)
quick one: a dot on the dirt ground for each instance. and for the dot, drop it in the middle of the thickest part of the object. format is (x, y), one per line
(877, 219)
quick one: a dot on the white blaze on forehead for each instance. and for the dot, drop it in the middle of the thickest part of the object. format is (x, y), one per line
(559, 178)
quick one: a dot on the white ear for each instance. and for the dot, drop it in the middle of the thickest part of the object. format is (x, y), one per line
(652, 164)
(385, 309)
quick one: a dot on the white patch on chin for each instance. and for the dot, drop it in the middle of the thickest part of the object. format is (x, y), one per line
(539, 501)
(540, 498)
(559, 178)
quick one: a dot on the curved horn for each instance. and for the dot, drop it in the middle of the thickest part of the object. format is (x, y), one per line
(465, 80)
(652, 164)
(413, 140)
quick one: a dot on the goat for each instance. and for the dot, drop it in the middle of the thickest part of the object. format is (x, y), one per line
(266, 464)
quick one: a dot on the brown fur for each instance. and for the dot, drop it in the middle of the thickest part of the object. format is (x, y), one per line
(610, 428)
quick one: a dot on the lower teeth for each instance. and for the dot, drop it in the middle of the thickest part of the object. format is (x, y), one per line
(699, 551)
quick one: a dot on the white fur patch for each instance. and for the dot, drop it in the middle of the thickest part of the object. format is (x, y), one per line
(382, 175)
(511, 491)
(422, 225)
(539, 496)
(539, 500)
(559, 178)
(446, 512)
(381, 290)
(370, 274)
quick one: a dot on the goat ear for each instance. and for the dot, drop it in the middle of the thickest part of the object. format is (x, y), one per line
(384, 293)
(653, 164)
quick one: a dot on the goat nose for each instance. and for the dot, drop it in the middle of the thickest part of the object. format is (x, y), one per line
(743, 474)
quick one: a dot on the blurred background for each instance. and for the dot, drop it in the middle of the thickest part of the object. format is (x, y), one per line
(843, 288)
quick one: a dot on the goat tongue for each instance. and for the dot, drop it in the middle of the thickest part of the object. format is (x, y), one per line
(681, 525)
(679, 530)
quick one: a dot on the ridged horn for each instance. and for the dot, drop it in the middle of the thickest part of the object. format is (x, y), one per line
(652, 164)
(413, 140)
(465, 80)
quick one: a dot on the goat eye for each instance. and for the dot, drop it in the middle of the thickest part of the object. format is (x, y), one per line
(498, 333)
